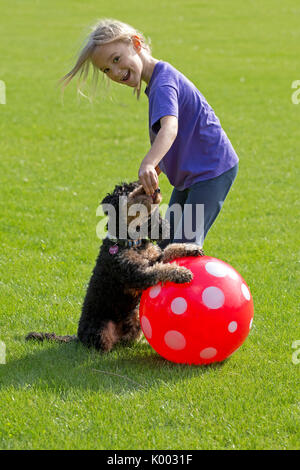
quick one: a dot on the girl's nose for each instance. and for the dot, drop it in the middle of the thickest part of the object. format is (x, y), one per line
(115, 73)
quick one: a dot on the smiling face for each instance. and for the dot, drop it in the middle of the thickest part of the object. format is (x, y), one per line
(120, 61)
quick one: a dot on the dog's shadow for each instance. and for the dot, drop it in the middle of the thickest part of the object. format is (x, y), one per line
(64, 366)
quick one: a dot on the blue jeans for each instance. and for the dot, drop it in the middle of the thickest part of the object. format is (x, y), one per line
(197, 208)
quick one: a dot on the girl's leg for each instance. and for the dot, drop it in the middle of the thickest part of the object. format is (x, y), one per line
(201, 207)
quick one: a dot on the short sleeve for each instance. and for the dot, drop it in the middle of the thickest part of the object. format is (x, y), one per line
(164, 102)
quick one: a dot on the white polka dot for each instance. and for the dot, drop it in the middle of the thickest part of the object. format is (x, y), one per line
(175, 340)
(250, 324)
(232, 327)
(146, 327)
(216, 269)
(179, 305)
(154, 291)
(232, 274)
(213, 297)
(208, 353)
(245, 292)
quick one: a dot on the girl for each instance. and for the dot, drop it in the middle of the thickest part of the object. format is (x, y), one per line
(188, 143)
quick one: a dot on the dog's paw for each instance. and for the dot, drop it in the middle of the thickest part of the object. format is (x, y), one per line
(182, 275)
(178, 250)
(191, 249)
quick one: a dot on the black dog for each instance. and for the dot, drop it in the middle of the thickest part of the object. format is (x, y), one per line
(124, 268)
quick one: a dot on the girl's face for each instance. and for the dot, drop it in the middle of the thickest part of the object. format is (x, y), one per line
(120, 61)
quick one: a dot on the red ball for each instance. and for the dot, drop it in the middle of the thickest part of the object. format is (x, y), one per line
(202, 321)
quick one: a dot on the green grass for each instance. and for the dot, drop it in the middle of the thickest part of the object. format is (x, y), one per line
(57, 161)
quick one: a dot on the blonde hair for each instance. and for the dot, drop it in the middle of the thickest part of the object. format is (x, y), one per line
(103, 32)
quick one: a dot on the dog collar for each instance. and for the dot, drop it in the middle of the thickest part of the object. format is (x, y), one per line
(125, 243)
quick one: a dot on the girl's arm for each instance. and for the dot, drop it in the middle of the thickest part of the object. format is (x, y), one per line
(162, 143)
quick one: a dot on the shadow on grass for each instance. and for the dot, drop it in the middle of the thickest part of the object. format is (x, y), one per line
(66, 367)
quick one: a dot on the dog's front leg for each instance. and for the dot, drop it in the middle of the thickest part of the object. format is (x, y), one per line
(160, 272)
(178, 250)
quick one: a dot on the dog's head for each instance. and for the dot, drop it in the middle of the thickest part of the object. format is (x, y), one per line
(131, 212)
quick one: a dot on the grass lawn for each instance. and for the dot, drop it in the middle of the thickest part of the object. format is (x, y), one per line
(56, 163)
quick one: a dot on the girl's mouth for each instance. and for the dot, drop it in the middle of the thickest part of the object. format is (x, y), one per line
(126, 76)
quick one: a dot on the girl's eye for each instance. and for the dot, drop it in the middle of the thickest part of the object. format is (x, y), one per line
(115, 60)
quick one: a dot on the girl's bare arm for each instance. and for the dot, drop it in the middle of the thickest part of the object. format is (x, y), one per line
(162, 143)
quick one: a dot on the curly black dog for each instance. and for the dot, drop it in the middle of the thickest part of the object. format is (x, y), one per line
(124, 268)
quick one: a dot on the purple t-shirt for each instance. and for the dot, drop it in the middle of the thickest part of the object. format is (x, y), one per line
(201, 149)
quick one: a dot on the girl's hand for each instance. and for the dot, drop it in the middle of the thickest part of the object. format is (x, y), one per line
(148, 178)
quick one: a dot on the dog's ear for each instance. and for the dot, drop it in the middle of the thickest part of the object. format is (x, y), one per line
(122, 189)
(107, 200)
(134, 185)
(126, 188)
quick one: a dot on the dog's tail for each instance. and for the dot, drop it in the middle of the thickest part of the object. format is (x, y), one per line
(39, 336)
